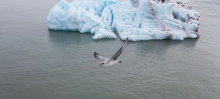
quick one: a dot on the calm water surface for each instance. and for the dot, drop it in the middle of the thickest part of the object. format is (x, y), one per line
(37, 63)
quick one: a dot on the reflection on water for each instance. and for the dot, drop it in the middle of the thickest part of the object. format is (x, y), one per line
(161, 46)
(66, 38)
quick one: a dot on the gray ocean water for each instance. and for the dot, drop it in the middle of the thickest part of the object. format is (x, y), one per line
(37, 63)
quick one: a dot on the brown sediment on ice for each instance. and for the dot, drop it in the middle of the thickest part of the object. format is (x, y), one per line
(157, 20)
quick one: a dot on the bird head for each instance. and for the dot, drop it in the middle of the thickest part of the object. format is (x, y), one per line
(102, 64)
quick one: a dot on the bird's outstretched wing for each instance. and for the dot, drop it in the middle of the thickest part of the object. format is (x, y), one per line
(98, 56)
(120, 50)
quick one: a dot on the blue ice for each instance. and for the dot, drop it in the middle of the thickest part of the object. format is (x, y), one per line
(135, 19)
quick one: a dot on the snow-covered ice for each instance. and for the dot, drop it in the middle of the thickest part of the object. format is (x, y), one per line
(135, 19)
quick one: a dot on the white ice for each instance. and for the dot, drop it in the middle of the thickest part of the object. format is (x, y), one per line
(135, 19)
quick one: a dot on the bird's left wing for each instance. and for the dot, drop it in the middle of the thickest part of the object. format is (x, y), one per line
(98, 56)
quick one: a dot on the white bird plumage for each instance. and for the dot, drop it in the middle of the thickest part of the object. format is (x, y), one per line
(113, 60)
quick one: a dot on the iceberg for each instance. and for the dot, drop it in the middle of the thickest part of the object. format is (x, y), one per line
(135, 19)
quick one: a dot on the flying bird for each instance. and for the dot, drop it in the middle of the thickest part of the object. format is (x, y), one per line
(113, 60)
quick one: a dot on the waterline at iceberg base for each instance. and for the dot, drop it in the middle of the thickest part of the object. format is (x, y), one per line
(135, 19)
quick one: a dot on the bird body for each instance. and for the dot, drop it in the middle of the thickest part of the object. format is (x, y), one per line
(113, 60)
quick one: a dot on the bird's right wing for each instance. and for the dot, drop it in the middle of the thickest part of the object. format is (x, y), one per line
(120, 50)
(98, 56)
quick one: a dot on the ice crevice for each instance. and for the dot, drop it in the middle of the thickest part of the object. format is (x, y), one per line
(135, 19)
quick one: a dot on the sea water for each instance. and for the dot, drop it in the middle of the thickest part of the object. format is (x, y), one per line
(37, 63)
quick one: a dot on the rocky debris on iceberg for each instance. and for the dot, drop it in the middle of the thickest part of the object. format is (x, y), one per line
(135, 19)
